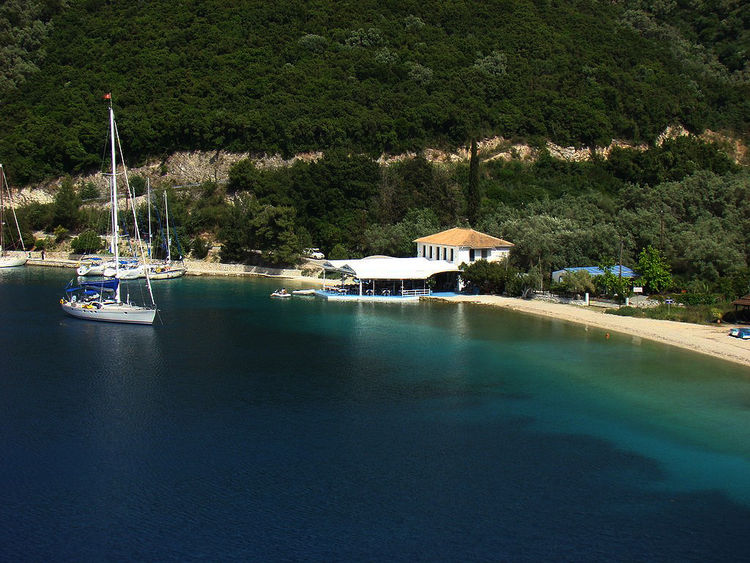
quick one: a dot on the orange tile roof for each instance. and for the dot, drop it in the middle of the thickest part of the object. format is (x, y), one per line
(464, 237)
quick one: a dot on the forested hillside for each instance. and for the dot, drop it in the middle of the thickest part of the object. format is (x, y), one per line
(369, 77)
(356, 80)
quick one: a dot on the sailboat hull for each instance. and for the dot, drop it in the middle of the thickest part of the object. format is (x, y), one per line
(92, 270)
(12, 261)
(166, 273)
(131, 273)
(110, 312)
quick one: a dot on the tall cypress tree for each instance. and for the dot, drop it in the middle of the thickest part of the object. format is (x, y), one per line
(473, 197)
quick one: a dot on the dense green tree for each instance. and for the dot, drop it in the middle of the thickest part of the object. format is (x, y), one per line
(577, 282)
(87, 242)
(88, 190)
(65, 207)
(654, 270)
(398, 239)
(199, 248)
(473, 196)
(272, 232)
(137, 185)
(40, 216)
(235, 233)
(610, 283)
(487, 277)
(339, 252)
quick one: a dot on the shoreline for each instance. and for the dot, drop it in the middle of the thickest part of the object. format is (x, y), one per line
(704, 339)
(194, 268)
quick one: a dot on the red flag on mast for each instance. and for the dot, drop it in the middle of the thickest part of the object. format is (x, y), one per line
(107, 96)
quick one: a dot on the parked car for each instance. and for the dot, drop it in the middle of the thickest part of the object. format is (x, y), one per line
(314, 253)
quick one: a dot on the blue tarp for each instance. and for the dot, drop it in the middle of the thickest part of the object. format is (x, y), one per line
(596, 271)
(101, 284)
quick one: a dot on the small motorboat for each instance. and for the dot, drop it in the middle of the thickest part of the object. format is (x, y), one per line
(281, 293)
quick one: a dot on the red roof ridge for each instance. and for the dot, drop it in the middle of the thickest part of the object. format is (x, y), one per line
(464, 237)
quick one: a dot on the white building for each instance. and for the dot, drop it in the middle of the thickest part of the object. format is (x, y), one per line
(379, 277)
(463, 245)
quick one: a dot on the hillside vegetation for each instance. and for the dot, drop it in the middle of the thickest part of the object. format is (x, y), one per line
(369, 77)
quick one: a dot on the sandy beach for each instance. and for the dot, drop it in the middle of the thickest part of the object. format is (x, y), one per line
(711, 340)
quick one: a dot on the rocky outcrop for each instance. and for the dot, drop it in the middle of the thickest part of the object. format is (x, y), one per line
(196, 167)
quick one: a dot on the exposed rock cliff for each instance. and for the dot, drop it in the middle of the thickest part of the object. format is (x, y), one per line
(196, 167)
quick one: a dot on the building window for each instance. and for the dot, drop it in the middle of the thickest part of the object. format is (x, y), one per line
(430, 253)
(471, 255)
(424, 251)
(452, 254)
(485, 253)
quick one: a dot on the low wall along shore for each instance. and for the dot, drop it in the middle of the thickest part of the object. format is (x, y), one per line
(194, 267)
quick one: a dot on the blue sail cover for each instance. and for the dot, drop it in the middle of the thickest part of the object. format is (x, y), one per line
(101, 284)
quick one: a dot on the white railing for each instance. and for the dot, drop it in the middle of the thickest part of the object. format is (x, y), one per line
(414, 292)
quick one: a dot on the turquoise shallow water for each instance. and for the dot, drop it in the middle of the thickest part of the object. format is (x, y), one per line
(246, 427)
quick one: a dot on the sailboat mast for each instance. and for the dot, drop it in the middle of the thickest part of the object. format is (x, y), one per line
(169, 240)
(2, 210)
(148, 200)
(115, 227)
(12, 208)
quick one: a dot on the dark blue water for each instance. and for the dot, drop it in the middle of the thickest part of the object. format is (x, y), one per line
(258, 429)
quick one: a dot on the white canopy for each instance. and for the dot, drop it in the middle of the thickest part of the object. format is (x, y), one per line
(388, 268)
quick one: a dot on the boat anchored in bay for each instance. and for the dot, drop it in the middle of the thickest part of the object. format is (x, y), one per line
(102, 300)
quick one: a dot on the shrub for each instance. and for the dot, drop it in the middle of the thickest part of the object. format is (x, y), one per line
(87, 242)
(137, 185)
(88, 191)
(199, 248)
(654, 270)
(61, 233)
(521, 285)
(339, 252)
(699, 314)
(577, 282)
(487, 277)
(697, 298)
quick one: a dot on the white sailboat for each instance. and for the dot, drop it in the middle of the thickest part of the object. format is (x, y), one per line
(92, 266)
(8, 260)
(166, 270)
(102, 300)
